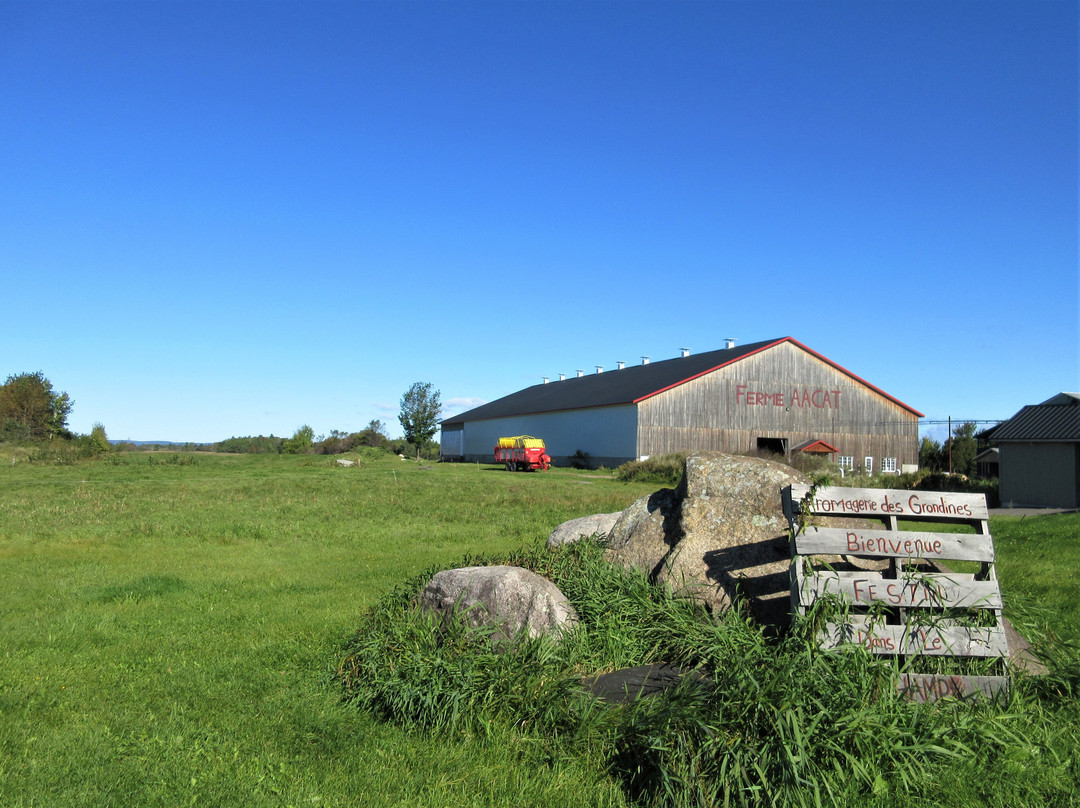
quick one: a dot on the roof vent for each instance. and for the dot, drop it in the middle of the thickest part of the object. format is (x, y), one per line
(599, 368)
(562, 377)
(621, 364)
(644, 360)
(580, 373)
(685, 352)
(546, 380)
(730, 343)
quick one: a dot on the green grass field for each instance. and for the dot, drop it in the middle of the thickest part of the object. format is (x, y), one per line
(167, 631)
(170, 625)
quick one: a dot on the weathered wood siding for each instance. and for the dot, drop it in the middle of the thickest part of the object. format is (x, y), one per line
(783, 392)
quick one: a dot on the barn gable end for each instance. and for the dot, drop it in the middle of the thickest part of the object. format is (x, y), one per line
(783, 396)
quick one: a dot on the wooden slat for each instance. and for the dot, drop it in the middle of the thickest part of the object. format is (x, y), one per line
(914, 639)
(925, 687)
(881, 503)
(894, 544)
(923, 592)
(797, 577)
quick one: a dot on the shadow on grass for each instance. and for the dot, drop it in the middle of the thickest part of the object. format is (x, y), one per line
(145, 588)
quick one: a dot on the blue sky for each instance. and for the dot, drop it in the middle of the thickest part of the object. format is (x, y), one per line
(234, 218)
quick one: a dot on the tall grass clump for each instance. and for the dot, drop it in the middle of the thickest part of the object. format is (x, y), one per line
(664, 469)
(764, 720)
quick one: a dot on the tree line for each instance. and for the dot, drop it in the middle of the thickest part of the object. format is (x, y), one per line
(957, 453)
(421, 406)
(33, 412)
(304, 441)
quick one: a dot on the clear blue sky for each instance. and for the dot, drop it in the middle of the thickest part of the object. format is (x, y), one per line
(236, 218)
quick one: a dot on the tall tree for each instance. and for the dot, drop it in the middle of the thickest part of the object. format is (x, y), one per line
(300, 442)
(420, 408)
(930, 454)
(99, 440)
(30, 408)
(962, 448)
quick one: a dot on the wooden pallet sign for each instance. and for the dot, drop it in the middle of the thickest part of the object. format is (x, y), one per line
(912, 604)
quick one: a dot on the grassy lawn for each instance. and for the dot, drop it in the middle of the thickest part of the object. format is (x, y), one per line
(1038, 561)
(169, 629)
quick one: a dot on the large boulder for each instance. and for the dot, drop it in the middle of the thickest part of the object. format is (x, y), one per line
(646, 532)
(720, 535)
(599, 524)
(517, 601)
(734, 535)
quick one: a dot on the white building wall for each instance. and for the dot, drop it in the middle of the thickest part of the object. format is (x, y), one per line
(607, 434)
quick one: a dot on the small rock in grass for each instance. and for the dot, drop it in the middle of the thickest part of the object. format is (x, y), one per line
(517, 601)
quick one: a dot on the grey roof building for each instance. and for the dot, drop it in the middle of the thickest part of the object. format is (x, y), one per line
(775, 395)
(1040, 454)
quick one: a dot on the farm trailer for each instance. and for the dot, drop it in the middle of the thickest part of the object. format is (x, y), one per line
(522, 453)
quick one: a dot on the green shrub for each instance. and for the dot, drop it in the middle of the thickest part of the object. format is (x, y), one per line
(99, 440)
(925, 480)
(62, 451)
(663, 470)
(812, 465)
(942, 481)
(253, 444)
(580, 460)
(170, 459)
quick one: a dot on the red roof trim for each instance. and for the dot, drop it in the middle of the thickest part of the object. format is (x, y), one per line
(811, 447)
(795, 342)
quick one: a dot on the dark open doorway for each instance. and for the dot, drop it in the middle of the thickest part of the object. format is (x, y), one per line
(775, 445)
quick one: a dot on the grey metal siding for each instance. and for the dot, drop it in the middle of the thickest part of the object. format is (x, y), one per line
(451, 443)
(607, 434)
(1045, 475)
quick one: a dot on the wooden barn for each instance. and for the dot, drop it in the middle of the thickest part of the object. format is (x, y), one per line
(776, 395)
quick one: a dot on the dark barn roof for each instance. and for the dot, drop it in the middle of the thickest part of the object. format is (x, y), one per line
(628, 385)
(1059, 421)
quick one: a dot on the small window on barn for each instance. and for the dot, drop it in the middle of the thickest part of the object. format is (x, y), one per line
(868, 464)
(888, 465)
(846, 462)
